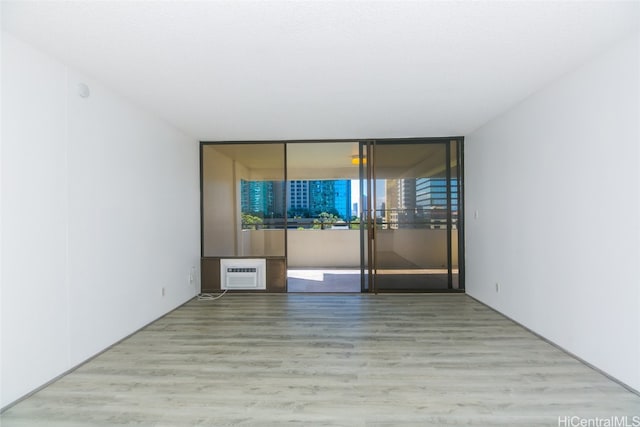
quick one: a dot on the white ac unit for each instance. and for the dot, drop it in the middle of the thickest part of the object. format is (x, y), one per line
(243, 273)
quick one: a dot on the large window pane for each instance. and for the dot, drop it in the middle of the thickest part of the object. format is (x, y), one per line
(243, 200)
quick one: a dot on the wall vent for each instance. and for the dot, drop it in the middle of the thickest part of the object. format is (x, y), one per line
(243, 273)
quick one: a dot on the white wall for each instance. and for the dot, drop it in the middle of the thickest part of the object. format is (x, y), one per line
(556, 187)
(100, 210)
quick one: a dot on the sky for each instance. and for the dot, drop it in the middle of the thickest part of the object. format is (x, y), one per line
(380, 192)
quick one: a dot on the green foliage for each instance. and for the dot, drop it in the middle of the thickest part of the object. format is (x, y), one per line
(355, 223)
(328, 218)
(325, 220)
(250, 222)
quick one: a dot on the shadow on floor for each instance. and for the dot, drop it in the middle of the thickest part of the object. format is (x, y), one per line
(323, 280)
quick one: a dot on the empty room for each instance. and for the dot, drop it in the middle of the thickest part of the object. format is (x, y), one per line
(354, 213)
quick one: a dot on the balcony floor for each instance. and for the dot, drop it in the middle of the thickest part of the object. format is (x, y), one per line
(319, 280)
(323, 280)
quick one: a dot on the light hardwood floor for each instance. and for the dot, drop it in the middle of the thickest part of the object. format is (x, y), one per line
(347, 360)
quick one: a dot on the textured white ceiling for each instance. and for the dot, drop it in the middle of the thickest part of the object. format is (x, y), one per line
(260, 70)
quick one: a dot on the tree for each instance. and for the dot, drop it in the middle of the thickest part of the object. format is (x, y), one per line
(250, 222)
(325, 219)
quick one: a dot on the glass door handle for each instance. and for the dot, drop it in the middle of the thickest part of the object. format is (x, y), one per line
(371, 228)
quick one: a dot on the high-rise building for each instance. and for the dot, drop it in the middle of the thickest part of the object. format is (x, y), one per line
(313, 197)
(332, 196)
(420, 200)
(342, 198)
(298, 197)
(254, 196)
(430, 192)
(304, 198)
(262, 198)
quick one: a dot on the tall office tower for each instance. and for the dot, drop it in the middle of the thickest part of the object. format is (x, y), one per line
(262, 198)
(342, 198)
(298, 197)
(331, 196)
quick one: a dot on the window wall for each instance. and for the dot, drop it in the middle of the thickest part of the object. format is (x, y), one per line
(389, 210)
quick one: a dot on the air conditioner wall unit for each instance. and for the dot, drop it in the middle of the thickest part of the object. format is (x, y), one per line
(243, 274)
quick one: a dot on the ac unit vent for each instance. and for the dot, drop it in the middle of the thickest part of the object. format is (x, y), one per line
(243, 273)
(242, 270)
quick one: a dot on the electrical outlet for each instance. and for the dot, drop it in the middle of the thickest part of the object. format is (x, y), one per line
(497, 287)
(192, 275)
(163, 291)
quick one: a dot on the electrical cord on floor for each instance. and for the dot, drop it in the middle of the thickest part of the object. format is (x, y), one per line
(210, 297)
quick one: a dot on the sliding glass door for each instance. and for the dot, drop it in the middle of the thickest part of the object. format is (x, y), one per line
(411, 199)
(323, 246)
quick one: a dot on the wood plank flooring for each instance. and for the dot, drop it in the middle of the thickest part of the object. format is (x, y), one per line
(330, 360)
